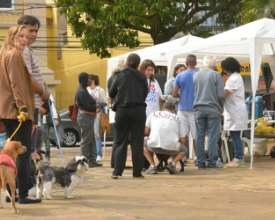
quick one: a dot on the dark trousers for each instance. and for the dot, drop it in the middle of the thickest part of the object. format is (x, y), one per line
(129, 121)
(34, 138)
(23, 161)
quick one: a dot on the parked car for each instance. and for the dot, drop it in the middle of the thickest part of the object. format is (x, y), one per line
(72, 131)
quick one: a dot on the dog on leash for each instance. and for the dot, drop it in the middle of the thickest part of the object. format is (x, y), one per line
(8, 170)
(68, 177)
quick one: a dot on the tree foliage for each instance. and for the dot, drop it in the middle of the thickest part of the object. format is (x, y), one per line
(256, 9)
(104, 24)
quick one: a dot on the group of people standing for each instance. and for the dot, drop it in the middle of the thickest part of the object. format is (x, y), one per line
(204, 99)
(200, 100)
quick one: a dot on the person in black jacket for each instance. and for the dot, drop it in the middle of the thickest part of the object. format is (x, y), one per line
(129, 89)
(87, 108)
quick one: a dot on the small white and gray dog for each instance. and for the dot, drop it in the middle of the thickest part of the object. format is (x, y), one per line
(67, 177)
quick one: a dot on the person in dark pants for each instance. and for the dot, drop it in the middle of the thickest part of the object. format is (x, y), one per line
(17, 103)
(85, 118)
(118, 66)
(130, 90)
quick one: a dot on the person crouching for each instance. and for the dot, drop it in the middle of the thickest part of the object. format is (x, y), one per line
(164, 137)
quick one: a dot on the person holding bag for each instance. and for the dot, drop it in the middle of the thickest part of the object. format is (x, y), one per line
(99, 95)
(87, 109)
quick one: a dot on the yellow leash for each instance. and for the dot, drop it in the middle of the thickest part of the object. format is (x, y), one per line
(15, 131)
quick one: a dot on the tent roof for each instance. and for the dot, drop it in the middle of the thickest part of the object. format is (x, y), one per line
(160, 51)
(236, 41)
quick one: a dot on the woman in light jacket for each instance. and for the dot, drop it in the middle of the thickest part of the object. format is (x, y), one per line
(235, 114)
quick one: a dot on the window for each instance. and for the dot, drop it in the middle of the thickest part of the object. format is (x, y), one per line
(6, 5)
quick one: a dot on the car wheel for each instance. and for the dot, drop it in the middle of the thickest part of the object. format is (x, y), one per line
(70, 138)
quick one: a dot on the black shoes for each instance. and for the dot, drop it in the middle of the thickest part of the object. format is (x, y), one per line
(28, 201)
(23, 200)
(96, 164)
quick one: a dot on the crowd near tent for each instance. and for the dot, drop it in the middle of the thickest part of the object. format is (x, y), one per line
(159, 53)
(252, 43)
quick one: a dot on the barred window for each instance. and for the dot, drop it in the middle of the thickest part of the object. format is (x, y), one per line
(6, 4)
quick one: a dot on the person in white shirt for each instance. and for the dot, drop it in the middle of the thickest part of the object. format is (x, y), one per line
(100, 96)
(152, 100)
(164, 137)
(235, 114)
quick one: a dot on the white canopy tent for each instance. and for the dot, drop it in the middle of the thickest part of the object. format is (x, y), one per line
(159, 53)
(252, 43)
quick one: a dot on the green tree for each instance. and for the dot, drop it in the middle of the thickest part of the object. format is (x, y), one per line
(256, 9)
(103, 24)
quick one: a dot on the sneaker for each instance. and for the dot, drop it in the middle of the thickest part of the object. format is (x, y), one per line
(215, 167)
(236, 163)
(219, 161)
(196, 162)
(171, 168)
(98, 158)
(152, 170)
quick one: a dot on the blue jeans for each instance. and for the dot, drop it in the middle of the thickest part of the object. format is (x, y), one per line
(207, 123)
(98, 141)
(238, 145)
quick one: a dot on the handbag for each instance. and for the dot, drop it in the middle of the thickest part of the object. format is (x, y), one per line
(104, 123)
(73, 111)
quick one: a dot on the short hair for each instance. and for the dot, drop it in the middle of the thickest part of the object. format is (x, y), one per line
(95, 78)
(29, 20)
(209, 61)
(133, 60)
(191, 60)
(177, 68)
(145, 64)
(231, 65)
(169, 105)
(118, 65)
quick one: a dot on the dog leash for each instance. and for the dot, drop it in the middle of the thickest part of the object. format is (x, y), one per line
(56, 133)
(15, 131)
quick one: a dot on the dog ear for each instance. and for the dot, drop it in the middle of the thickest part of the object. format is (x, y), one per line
(71, 166)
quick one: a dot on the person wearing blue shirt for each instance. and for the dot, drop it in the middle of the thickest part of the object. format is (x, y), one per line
(184, 89)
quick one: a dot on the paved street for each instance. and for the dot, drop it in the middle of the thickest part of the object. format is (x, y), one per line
(195, 194)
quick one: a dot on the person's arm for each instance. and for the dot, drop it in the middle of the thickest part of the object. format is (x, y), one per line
(54, 111)
(31, 60)
(147, 131)
(175, 93)
(220, 90)
(113, 90)
(182, 140)
(227, 93)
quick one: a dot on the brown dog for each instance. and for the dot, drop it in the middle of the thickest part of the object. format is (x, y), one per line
(8, 170)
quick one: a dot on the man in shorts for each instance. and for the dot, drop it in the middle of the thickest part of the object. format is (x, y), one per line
(164, 136)
(184, 90)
